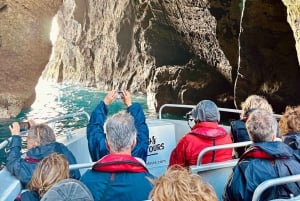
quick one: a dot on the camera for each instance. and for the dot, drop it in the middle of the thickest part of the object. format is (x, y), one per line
(24, 126)
(188, 116)
(120, 94)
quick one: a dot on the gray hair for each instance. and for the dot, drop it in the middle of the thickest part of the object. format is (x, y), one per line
(261, 126)
(42, 134)
(120, 131)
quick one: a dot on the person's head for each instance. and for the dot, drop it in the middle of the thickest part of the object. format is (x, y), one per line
(254, 102)
(49, 171)
(206, 110)
(40, 134)
(120, 132)
(261, 126)
(177, 184)
(290, 120)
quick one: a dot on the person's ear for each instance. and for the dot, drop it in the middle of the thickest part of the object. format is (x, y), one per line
(107, 145)
(273, 138)
(133, 143)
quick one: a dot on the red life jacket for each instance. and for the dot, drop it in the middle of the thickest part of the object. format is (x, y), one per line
(119, 163)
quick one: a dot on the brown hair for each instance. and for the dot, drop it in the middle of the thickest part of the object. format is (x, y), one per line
(42, 134)
(290, 120)
(178, 184)
(48, 172)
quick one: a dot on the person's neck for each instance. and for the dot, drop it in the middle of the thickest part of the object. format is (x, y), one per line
(125, 152)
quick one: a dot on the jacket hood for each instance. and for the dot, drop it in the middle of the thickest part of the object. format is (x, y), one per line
(206, 110)
(209, 130)
(276, 149)
(41, 152)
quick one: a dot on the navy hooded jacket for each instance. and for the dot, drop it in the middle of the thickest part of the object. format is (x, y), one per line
(96, 136)
(23, 168)
(263, 161)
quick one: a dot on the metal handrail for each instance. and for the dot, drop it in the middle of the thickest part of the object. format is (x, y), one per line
(81, 165)
(191, 107)
(223, 146)
(221, 109)
(6, 141)
(273, 182)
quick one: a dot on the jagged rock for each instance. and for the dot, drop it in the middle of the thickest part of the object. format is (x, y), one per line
(175, 51)
(269, 64)
(24, 50)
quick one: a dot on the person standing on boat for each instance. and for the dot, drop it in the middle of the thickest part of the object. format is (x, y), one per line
(95, 129)
(238, 128)
(119, 176)
(265, 159)
(41, 142)
(205, 133)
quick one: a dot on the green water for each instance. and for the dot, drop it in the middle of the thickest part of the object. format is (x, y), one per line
(55, 100)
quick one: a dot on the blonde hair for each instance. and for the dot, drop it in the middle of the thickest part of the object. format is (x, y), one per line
(290, 120)
(177, 184)
(254, 102)
(48, 172)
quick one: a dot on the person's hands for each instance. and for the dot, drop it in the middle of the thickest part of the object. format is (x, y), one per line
(110, 97)
(126, 98)
(15, 128)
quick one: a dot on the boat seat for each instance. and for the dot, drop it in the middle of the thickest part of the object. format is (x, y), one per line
(217, 173)
(275, 182)
(10, 186)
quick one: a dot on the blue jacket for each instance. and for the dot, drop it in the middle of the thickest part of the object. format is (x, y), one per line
(23, 168)
(96, 135)
(118, 178)
(263, 161)
(293, 140)
(29, 196)
(239, 134)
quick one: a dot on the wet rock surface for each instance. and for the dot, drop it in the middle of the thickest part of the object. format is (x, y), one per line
(175, 51)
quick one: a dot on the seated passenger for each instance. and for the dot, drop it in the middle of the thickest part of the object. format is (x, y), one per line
(238, 128)
(265, 159)
(50, 170)
(289, 126)
(177, 184)
(95, 130)
(205, 133)
(118, 175)
(41, 142)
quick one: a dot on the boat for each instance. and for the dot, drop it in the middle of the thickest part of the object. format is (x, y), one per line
(163, 137)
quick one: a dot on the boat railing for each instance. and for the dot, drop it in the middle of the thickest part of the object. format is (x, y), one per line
(4, 143)
(218, 147)
(81, 165)
(275, 182)
(193, 106)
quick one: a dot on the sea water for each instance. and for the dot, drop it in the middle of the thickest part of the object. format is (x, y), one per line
(55, 100)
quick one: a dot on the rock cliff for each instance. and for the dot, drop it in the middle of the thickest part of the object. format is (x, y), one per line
(25, 49)
(175, 51)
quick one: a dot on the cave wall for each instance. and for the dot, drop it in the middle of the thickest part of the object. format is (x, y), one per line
(269, 63)
(175, 51)
(24, 50)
